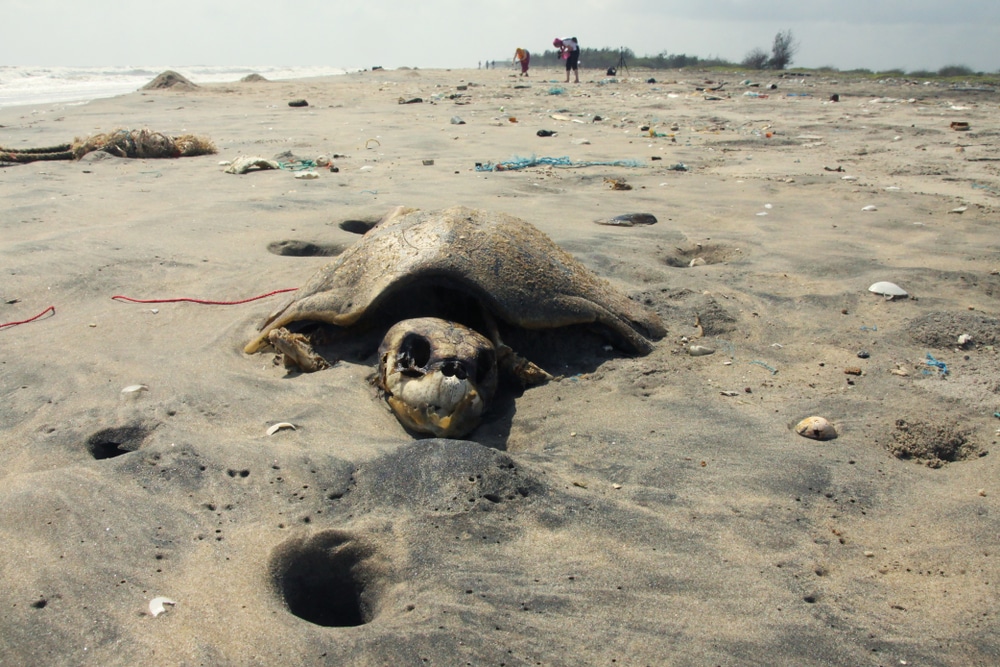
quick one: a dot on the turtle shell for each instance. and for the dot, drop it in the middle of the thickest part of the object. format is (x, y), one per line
(513, 270)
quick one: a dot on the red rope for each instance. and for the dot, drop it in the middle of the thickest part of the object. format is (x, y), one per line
(31, 319)
(119, 297)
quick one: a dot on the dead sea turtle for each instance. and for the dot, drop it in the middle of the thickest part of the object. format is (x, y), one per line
(460, 265)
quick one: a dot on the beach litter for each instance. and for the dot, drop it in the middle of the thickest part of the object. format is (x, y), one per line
(888, 290)
(941, 367)
(524, 162)
(157, 605)
(51, 309)
(247, 163)
(142, 143)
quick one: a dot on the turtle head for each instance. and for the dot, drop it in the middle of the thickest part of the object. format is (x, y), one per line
(438, 376)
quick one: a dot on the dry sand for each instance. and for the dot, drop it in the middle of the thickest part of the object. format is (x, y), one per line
(642, 511)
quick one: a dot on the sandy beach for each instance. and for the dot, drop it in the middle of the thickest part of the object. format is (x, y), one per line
(642, 510)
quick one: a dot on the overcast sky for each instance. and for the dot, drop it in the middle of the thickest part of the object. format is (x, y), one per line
(847, 34)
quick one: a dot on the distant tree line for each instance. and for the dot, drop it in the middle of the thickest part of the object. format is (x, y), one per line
(606, 57)
(783, 50)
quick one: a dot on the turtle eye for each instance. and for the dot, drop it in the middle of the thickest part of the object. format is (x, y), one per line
(414, 352)
(485, 362)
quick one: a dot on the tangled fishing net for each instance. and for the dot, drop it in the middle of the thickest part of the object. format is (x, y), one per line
(142, 143)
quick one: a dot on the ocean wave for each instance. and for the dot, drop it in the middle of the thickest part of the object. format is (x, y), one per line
(53, 85)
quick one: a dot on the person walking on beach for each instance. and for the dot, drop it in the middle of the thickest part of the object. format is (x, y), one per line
(522, 56)
(570, 51)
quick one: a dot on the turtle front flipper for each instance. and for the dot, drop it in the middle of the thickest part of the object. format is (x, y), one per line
(526, 371)
(297, 350)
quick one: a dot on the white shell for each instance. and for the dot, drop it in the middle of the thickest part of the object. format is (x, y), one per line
(156, 605)
(697, 261)
(280, 425)
(870, 207)
(132, 388)
(816, 428)
(700, 350)
(888, 289)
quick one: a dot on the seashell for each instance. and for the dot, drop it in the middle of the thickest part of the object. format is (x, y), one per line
(887, 289)
(629, 220)
(870, 208)
(816, 428)
(279, 426)
(697, 261)
(964, 339)
(700, 350)
(156, 605)
(307, 175)
(132, 388)
(960, 210)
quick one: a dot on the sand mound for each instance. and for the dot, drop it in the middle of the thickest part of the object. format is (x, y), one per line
(170, 79)
(253, 78)
(941, 329)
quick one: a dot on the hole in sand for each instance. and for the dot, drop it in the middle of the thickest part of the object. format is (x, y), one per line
(327, 579)
(357, 226)
(700, 254)
(111, 442)
(292, 248)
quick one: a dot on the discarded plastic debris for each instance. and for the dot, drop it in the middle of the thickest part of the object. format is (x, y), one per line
(455, 120)
(545, 133)
(556, 90)
(774, 371)
(940, 365)
(298, 103)
(156, 605)
(888, 290)
(960, 126)
(307, 175)
(524, 162)
(247, 163)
